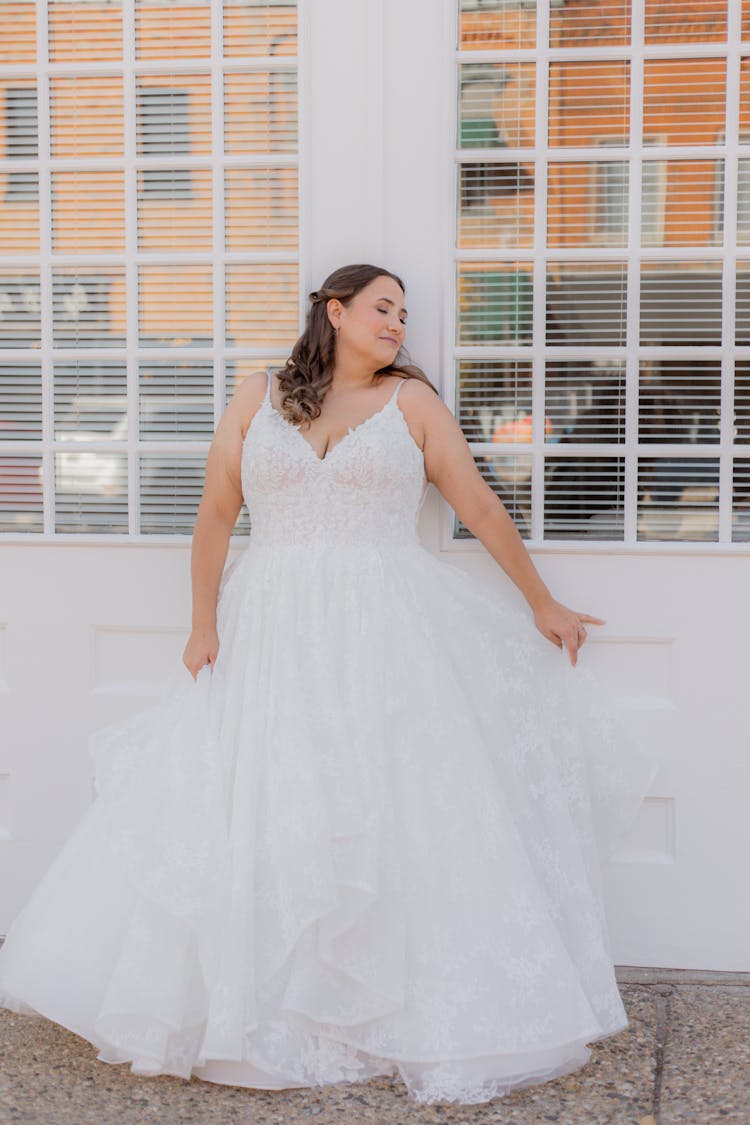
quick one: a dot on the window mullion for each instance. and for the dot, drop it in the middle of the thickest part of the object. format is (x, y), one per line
(729, 272)
(539, 285)
(131, 260)
(633, 326)
(45, 263)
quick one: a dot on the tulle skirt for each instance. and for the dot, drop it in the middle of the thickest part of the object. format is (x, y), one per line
(369, 841)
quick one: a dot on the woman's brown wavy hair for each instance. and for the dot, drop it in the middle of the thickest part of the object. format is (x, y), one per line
(308, 373)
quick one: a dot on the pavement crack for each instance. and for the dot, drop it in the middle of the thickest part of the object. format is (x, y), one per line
(664, 994)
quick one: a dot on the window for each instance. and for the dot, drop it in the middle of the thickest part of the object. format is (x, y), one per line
(600, 324)
(164, 131)
(166, 264)
(21, 142)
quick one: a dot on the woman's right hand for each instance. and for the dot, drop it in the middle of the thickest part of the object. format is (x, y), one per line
(202, 648)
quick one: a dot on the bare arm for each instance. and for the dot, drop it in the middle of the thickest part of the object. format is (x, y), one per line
(450, 466)
(217, 514)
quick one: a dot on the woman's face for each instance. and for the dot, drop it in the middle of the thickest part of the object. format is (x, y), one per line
(372, 326)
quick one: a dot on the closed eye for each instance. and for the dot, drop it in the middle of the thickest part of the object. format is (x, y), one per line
(401, 318)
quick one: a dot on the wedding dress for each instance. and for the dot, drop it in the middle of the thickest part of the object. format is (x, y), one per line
(368, 842)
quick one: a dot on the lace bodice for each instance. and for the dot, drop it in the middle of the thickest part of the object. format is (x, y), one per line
(368, 488)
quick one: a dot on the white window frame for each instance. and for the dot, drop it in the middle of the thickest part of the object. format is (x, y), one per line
(130, 68)
(632, 255)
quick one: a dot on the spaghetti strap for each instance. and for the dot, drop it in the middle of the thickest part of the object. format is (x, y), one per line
(268, 385)
(394, 396)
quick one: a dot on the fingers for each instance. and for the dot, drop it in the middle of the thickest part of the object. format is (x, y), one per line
(589, 619)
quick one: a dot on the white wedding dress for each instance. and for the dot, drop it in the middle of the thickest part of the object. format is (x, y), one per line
(368, 842)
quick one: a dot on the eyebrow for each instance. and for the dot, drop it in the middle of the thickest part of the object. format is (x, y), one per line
(388, 301)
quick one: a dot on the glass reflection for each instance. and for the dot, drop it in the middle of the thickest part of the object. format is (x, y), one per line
(684, 100)
(495, 205)
(681, 302)
(20, 402)
(676, 22)
(494, 303)
(586, 303)
(584, 497)
(485, 25)
(496, 105)
(91, 491)
(585, 401)
(589, 103)
(587, 203)
(590, 25)
(493, 400)
(679, 401)
(678, 498)
(741, 501)
(21, 493)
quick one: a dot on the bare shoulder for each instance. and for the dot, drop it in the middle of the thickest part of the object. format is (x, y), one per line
(246, 400)
(422, 408)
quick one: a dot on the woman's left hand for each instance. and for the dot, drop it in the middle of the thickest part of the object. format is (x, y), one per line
(563, 626)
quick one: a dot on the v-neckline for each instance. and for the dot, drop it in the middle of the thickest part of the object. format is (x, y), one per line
(349, 433)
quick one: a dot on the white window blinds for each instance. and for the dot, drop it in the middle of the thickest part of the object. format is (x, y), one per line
(602, 304)
(149, 248)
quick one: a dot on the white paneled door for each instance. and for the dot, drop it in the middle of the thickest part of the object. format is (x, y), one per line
(564, 190)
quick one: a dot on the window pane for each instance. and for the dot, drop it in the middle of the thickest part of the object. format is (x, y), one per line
(88, 307)
(741, 502)
(260, 112)
(91, 490)
(693, 190)
(665, 23)
(587, 203)
(684, 99)
(679, 402)
(496, 105)
(99, 226)
(261, 306)
(487, 25)
(254, 28)
(584, 497)
(681, 303)
(18, 41)
(586, 303)
(591, 102)
(172, 30)
(742, 401)
(20, 309)
(91, 401)
(175, 306)
(89, 31)
(176, 401)
(678, 498)
(20, 402)
(87, 116)
(742, 303)
(164, 226)
(495, 204)
(494, 303)
(261, 209)
(171, 488)
(21, 493)
(494, 400)
(585, 401)
(590, 25)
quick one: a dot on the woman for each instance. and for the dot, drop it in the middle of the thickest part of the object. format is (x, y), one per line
(368, 839)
